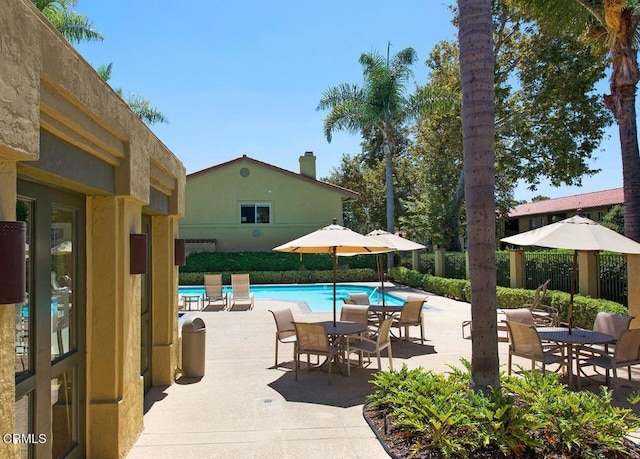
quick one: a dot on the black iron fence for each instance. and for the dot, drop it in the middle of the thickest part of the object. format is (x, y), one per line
(613, 277)
(540, 266)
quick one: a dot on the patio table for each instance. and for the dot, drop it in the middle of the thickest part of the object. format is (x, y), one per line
(578, 337)
(341, 330)
(190, 299)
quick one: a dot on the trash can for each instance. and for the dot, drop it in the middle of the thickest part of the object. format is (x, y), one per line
(194, 335)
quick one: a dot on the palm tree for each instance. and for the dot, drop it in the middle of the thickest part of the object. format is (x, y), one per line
(138, 104)
(381, 106)
(614, 24)
(475, 36)
(74, 26)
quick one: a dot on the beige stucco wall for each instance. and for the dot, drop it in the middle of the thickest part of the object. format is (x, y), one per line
(298, 206)
(46, 86)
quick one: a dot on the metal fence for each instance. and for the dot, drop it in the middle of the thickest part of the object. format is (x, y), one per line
(555, 266)
(613, 277)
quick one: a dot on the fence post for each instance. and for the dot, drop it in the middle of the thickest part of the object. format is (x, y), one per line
(415, 260)
(633, 288)
(439, 262)
(589, 279)
(517, 268)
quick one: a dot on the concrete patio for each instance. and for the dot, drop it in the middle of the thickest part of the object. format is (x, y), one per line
(244, 407)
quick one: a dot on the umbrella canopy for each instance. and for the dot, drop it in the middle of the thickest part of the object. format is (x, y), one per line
(63, 248)
(578, 234)
(394, 241)
(333, 239)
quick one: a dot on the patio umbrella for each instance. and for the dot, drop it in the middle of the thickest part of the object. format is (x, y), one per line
(333, 239)
(396, 243)
(64, 248)
(578, 234)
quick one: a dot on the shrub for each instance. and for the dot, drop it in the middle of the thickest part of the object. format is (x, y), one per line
(288, 277)
(530, 416)
(585, 308)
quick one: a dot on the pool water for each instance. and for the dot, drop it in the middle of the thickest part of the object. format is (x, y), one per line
(319, 297)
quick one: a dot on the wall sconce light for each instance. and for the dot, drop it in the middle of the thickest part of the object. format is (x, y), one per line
(138, 253)
(180, 255)
(13, 240)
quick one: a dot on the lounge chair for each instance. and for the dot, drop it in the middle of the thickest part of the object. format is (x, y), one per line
(411, 315)
(285, 330)
(241, 297)
(213, 298)
(544, 316)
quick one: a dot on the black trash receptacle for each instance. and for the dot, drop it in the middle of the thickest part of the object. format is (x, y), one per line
(194, 335)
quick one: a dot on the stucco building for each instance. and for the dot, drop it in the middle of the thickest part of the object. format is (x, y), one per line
(99, 197)
(248, 205)
(531, 215)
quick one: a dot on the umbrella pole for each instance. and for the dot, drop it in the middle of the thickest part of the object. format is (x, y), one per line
(334, 256)
(381, 275)
(573, 288)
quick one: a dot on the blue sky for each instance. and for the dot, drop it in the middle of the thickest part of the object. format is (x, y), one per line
(245, 77)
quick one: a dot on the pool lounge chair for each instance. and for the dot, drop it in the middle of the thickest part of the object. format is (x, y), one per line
(214, 299)
(241, 297)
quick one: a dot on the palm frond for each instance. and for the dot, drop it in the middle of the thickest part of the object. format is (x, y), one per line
(142, 107)
(105, 71)
(337, 95)
(76, 27)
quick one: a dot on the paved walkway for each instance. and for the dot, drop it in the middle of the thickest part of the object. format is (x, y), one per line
(246, 408)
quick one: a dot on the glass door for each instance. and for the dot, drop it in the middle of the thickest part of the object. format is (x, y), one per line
(145, 312)
(50, 325)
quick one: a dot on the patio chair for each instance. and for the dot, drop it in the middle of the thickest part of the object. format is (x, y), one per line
(213, 295)
(544, 316)
(520, 315)
(285, 330)
(411, 315)
(610, 324)
(359, 298)
(524, 342)
(382, 340)
(626, 354)
(241, 297)
(312, 339)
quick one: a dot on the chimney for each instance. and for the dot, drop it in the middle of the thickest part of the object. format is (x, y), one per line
(308, 164)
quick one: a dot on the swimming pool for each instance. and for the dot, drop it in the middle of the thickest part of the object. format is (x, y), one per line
(319, 297)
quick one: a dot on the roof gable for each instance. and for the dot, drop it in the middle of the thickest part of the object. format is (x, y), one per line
(245, 158)
(580, 201)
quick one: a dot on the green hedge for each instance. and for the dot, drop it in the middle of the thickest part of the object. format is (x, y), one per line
(288, 277)
(585, 308)
(236, 262)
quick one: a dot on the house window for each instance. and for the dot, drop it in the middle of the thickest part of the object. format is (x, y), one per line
(258, 213)
(532, 223)
(600, 216)
(543, 221)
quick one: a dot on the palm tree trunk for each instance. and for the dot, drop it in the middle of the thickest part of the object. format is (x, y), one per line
(622, 103)
(478, 123)
(388, 172)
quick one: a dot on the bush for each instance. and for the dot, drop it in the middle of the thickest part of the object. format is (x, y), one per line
(530, 416)
(238, 262)
(288, 277)
(585, 308)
